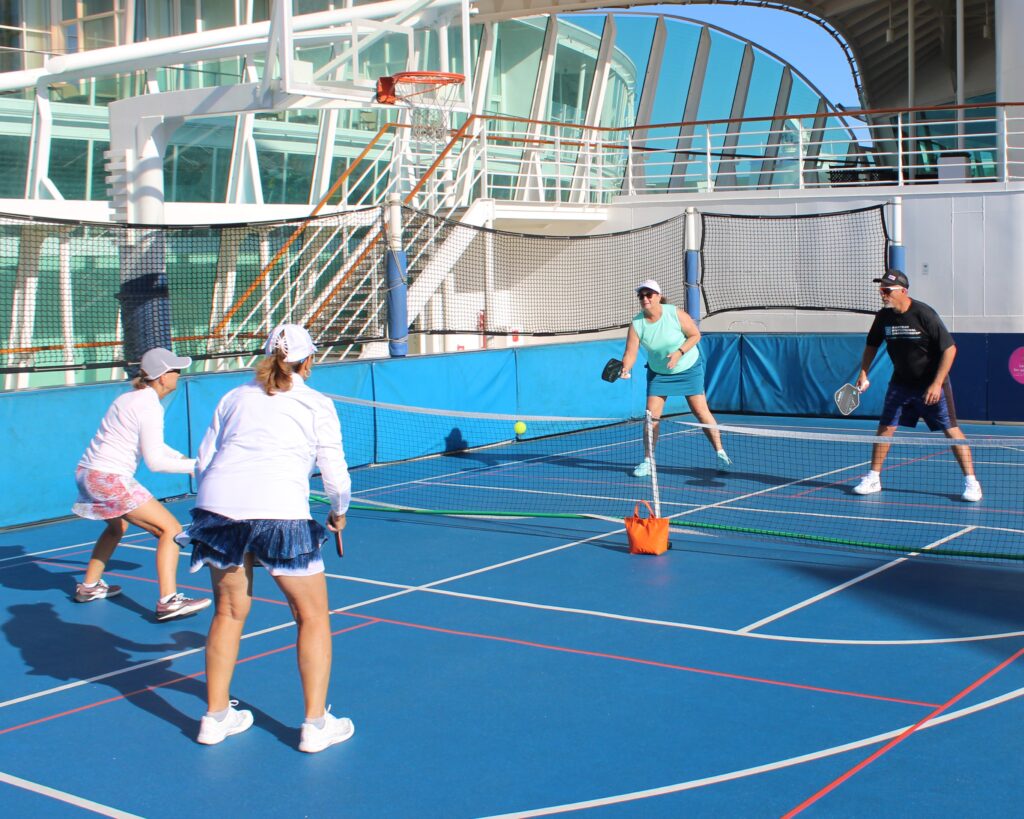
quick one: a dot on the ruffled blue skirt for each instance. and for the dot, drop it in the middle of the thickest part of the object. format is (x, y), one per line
(288, 546)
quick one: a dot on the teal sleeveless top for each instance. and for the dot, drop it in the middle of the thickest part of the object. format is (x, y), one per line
(661, 337)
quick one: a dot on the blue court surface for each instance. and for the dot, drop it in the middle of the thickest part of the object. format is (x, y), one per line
(533, 666)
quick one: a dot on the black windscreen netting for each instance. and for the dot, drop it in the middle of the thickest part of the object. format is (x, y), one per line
(465, 279)
(808, 262)
(96, 295)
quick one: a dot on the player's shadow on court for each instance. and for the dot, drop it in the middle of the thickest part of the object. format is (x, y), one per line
(45, 572)
(49, 573)
(51, 647)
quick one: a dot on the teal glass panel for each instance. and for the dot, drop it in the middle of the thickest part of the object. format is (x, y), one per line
(575, 60)
(69, 9)
(10, 50)
(298, 178)
(675, 71)
(428, 51)
(14, 161)
(187, 16)
(634, 36)
(753, 137)
(272, 176)
(517, 50)
(91, 7)
(310, 6)
(98, 183)
(385, 57)
(218, 14)
(69, 166)
(197, 162)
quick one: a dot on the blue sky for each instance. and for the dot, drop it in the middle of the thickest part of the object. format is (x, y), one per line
(798, 41)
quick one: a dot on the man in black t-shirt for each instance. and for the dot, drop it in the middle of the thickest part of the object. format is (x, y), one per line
(922, 352)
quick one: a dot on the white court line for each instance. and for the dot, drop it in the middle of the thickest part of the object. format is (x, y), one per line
(290, 624)
(63, 796)
(759, 769)
(843, 586)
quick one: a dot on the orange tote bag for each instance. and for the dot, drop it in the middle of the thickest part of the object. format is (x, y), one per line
(647, 536)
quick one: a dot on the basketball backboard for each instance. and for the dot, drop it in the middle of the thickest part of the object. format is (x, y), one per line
(336, 57)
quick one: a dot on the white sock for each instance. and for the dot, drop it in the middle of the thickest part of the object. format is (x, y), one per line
(91, 585)
(873, 474)
(318, 723)
(220, 716)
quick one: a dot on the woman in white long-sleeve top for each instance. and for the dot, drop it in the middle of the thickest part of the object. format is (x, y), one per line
(253, 507)
(133, 429)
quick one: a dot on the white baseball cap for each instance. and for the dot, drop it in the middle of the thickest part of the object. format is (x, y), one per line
(291, 339)
(158, 361)
(649, 284)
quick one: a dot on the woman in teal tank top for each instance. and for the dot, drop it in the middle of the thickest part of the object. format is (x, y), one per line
(674, 367)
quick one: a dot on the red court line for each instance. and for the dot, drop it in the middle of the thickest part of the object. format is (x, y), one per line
(175, 681)
(897, 740)
(655, 663)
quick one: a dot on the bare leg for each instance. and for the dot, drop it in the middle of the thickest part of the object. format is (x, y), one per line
(104, 548)
(232, 591)
(961, 453)
(655, 406)
(308, 598)
(879, 451)
(699, 408)
(155, 519)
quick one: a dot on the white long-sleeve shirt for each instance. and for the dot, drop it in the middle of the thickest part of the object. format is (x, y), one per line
(133, 427)
(256, 458)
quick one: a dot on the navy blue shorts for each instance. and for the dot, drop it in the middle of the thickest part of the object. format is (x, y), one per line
(904, 406)
(283, 547)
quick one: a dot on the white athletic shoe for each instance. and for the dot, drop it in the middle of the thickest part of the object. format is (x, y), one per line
(211, 731)
(868, 485)
(642, 469)
(724, 461)
(335, 730)
(972, 490)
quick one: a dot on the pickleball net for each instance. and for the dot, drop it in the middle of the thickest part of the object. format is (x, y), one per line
(788, 484)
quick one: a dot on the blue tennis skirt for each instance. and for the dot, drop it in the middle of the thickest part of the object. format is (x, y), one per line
(284, 547)
(688, 382)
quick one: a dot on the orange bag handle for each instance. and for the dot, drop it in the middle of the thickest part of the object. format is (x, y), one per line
(636, 509)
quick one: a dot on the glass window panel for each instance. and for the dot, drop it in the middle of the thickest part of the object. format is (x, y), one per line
(218, 14)
(310, 6)
(14, 161)
(573, 74)
(71, 37)
(272, 175)
(98, 184)
(298, 177)
(90, 7)
(69, 9)
(10, 46)
(517, 51)
(99, 33)
(187, 17)
(675, 72)
(260, 10)
(753, 137)
(69, 166)
(158, 19)
(634, 36)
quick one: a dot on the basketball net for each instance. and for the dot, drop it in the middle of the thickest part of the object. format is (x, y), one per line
(429, 96)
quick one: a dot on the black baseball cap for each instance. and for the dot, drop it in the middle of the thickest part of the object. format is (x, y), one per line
(893, 278)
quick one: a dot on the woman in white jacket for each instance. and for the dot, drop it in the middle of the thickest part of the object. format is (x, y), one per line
(253, 507)
(133, 429)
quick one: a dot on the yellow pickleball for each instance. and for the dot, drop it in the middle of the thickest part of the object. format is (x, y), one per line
(520, 427)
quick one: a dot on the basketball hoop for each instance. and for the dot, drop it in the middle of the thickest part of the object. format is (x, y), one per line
(429, 95)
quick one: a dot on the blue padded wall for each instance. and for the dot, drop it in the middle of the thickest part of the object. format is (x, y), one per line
(45, 433)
